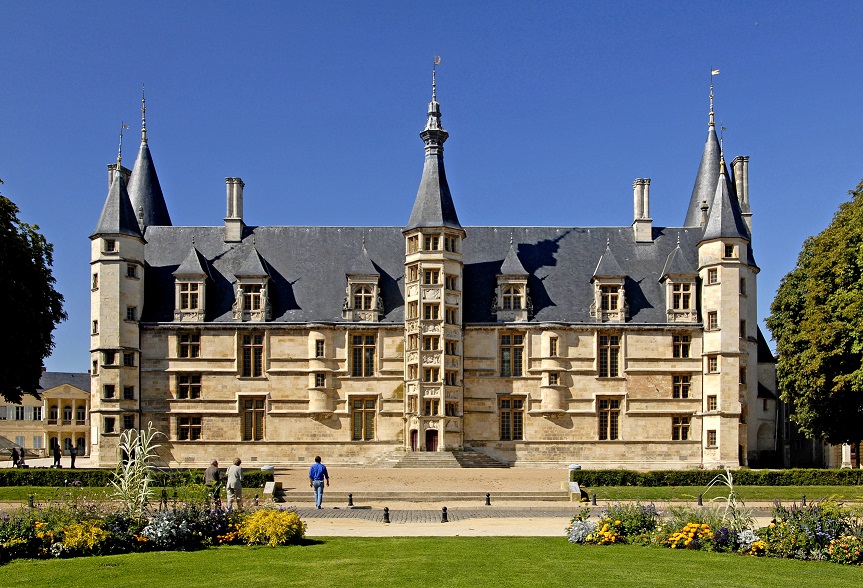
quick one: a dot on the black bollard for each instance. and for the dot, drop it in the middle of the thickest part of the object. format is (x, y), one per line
(803, 502)
(350, 499)
(30, 501)
(593, 499)
(386, 514)
(700, 500)
(443, 517)
(487, 499)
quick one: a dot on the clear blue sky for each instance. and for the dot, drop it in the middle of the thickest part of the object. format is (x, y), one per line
(553, 110)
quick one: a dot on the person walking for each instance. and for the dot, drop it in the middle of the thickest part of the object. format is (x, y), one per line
(15, 457)
(57, 453)
(73, 453)
(317, 474)
(235, 485)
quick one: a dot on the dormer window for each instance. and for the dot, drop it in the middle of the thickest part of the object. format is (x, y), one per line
(363, 301)
(609, 304)
(680, 300)
(252, 301)
(252, 297)
(190, 289)
(512, 298)
(608, 298)
(363, 298)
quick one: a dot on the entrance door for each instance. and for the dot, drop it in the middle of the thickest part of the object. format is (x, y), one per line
(414, 439)
(431, 440)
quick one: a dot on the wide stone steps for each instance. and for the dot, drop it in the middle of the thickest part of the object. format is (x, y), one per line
(438, 459)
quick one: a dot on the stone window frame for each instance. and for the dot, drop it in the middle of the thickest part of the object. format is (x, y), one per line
(189, 386)
(363, 354)
(712, 320)
(712, 276)
(320, 380)
(189, 345)
(712, 438)
(681, 386)
(511, 412)
(609, 410)
(511, 353)
(128, 393)
(320, 348)
(190, 428)
(681, 345)
(364, 411)
(681, 427)
(132, 271)
(713, 364)
(609, 353)
(712, 402)
(252, 352)
(253, 417)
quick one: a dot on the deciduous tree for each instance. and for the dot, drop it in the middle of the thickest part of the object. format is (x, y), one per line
(817, 322)
(31, 306)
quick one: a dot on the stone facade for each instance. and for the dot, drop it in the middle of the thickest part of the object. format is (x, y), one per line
(632, 346)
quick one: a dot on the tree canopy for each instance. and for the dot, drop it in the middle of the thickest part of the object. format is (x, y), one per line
(817, 322)
(33, 306)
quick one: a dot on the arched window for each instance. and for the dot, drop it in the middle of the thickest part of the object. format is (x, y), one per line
(511, 298)
(363, 298)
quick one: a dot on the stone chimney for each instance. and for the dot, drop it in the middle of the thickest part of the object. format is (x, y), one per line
(112, 167)
(643, 224)
(234, 216)
(740, 173)
(704, 210)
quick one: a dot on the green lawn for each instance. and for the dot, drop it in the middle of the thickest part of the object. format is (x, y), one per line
(471, 562)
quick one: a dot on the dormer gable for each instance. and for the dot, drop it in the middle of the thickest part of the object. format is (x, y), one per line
(252, 300)
(609, 296)
(363, 302)
(190, 288)
(511, 301)
(680, 288)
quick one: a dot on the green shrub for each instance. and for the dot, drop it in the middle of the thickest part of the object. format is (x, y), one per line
(272, 527)
(99, 478)
(742, 477)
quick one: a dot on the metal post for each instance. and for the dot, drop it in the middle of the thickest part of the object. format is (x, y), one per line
(803, 503)
(386, 514)
(443, 517)
(700, 500)
(350, 499)
(30, 501)
(487, 499)
(593, 499)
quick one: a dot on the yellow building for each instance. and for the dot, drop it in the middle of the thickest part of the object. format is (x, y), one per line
(628, 346)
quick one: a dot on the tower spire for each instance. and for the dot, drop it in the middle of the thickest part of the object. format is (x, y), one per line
(120, 146)
(143, 115)
(713, 72)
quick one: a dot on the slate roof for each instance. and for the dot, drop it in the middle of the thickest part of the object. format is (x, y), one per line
(54, 379)
(511, 264)
(608, 266)
(705, 180)
(677, 264)
(362, 265)
(193, 265)
(308, 265)
(146, 192)
(724, 219)
(764, 353)
(118, 217)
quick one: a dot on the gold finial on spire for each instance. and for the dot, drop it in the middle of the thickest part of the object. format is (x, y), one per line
(120, 148)
(435, 63)
(713, 72)
(143, 115)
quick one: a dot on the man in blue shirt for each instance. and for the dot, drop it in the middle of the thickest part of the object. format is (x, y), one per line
(317, 475)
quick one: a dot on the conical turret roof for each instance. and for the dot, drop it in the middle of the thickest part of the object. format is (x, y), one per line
(676, 264)
(705, 180)
(608, 266)
(512, 265)
(145, 191)
(193, 265)
(724, 219)
(362, 265)
(118, 217)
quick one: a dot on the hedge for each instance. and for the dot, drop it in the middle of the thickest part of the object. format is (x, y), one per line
(47, 477)
(743, 477)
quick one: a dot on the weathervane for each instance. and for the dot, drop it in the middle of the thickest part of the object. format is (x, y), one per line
(713, 72)
(120, 148)
(435, 63)
(143, 115)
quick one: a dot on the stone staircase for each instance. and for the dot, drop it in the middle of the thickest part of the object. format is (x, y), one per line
(442, 459)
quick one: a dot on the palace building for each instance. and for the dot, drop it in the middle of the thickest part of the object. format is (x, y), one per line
(631, 346)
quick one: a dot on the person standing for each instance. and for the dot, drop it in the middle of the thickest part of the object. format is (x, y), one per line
(15, 457)
(73, 453)
(235, 485)
(57, 453)
(317, 474)
(212, 476)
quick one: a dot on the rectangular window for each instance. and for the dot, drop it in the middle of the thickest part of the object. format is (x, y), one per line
(108, 391)
(511, 355)
(189, 386)
(713, 276)
(451, 316)
(450, 378)
(95, 285)
(413, 341)
(681, 298)
(320, 380)
(110, 245)
(253, 419)
(363, 298)
(553, 379)
(189, 428)
(608, 297)
(742, 329)
(131, 270)
(449, 243)
(37, 442)
(189, 345)
(552, 346)
(729, 251)
(711, 438)
(253, 355)
(363, 419)
(37, 413)
(319, 348)
(432, 243)
(431, 277)
(129, 359)
(412, 372)
(431, 343)
(413, 310)
(680, 386)
(609, 419)
(109, 425)
(451, 347)
(413, 246)
(363, 353)
(609, 356)
(511, 418)
(681, 345)
(679, 428)
(95, 367)
(432, 407)
(431, 375)
(413, 273)
(451, 408)
(189, 296)
(712, 364)
(131, 313)
(712, 403)
(128, 393)
(451, 282)
(431, 312)
(19, 413)
(128, 421)
(252, 296)
(712, 320)
(743, 375)
(743, 286)
(95, 327)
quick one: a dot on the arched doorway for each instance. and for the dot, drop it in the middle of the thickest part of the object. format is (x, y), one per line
(431, 440)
